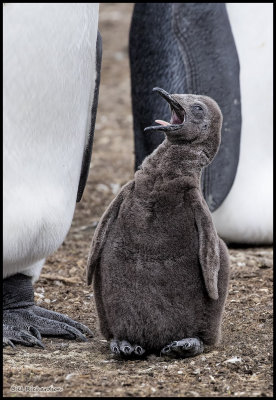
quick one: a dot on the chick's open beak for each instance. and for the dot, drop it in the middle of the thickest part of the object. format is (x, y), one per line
(177, 114)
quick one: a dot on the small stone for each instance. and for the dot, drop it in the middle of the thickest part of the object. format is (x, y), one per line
(40, 289)
(196, 371)
(102, 187)
(41, 295)
(241, 264)
(193, 393)
(233, 360)
(115, 187)
(119, 56)
(69, 376)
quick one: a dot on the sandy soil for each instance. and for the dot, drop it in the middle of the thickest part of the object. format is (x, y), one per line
(240, 366)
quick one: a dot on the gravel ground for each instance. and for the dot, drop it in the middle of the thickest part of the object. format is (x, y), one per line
(240, 366)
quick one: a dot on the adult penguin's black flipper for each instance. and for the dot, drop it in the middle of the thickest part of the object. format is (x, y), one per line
(89, 142)
(187, 48)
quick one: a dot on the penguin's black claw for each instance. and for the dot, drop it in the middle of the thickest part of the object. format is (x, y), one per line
(26, 326)
(35, 332)
(114, 347)
(13, 335)
(188, 347)
(139, 350)
(166, 350)
(125, 349)
(8, 342)
(62, 321)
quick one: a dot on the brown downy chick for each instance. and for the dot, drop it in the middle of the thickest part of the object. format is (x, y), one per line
(160, 270)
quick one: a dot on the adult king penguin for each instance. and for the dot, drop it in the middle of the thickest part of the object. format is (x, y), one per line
(225, 52)
(52, 57)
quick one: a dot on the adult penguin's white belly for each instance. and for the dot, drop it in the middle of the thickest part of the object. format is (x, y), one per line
(49, 78)
(246, 214)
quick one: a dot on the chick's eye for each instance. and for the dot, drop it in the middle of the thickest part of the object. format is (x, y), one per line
(198, 108)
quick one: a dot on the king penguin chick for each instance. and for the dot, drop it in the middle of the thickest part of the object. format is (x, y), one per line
(159, 269)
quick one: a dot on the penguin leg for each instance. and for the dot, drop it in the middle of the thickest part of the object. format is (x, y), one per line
(24, 322)
(125, 349)
(188, 347)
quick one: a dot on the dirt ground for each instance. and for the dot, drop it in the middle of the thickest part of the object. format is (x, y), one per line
(240, 366)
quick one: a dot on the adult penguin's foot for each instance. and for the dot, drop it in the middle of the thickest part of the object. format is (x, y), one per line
(24, 322)
(188, 347)
(125, 349)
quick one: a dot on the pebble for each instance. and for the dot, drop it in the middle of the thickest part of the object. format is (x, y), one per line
(102, 187)
(196, 371)
(241, 264)
(195, 394)
(233, 360)
(40, 289)
(115, 187)
(119, 55)
(41, 295)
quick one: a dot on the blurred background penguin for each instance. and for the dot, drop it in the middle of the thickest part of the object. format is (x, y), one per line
(223, 51)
